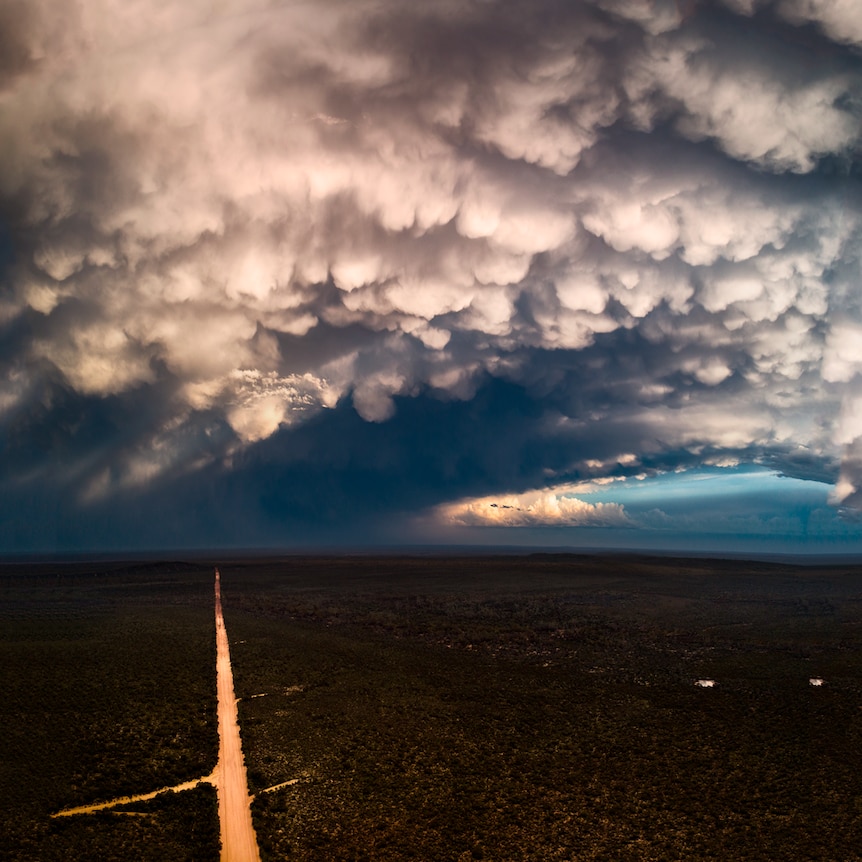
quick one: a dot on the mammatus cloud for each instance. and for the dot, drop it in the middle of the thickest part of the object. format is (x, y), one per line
(838, 19)
(228, 219)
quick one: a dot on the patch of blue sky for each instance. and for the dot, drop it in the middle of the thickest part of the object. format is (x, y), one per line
(748, 501)
(711, 486)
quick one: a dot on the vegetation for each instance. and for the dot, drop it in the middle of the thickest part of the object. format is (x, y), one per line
(532, 708)
(545, 709)
(108, 681)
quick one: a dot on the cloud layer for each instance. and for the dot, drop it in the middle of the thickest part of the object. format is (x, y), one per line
(226, 221)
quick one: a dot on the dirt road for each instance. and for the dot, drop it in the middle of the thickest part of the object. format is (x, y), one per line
(139, 797)
(238, 841)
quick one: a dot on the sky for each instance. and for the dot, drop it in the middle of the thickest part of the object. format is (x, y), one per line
(553, 273)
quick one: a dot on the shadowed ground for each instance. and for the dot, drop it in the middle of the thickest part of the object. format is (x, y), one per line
(547, 708)
(476, 708)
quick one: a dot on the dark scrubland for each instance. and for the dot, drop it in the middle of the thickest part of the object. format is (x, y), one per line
(540, 708)
(432, 708)
(107, 688)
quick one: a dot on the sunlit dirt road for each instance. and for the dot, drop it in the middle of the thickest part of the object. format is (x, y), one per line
(138, 797)
(238, 841)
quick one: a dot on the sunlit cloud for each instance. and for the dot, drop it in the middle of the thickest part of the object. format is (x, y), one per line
(226, 222)
(553, 507)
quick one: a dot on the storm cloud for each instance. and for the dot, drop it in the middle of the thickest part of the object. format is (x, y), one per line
(306, 263)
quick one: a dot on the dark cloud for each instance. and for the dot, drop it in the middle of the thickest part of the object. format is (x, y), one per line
(321, 264)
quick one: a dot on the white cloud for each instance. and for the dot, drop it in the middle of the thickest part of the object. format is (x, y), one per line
(204, 195)
(535, 508)
(842, 359)
(840, 19)
(752, 110)
(259, 403)
(648, 227)
(656, 17)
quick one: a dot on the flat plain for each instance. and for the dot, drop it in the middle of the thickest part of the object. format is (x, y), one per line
(107, 673)
(510, 708)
